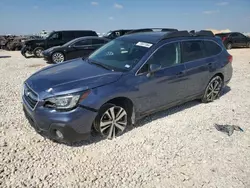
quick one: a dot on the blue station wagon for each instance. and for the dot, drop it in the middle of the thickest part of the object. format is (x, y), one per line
(126, 79)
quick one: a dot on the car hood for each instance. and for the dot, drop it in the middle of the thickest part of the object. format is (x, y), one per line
(52, 49)
(69, 77)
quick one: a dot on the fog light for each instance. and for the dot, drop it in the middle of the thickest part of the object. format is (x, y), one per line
(59, 134)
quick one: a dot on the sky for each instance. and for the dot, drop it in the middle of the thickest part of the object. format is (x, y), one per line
(32, 16)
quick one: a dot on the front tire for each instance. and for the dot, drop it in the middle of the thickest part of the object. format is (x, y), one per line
(38, 52)
(57, 57)
(111, 121)
(213, 89)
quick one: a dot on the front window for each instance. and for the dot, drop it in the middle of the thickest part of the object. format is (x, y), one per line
(120, 54)
(55, 36)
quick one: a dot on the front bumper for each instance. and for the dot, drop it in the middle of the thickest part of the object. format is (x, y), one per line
(74, 125)
(47, 58)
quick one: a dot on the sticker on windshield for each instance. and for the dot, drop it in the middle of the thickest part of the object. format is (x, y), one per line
(144, 44)
(127, 66)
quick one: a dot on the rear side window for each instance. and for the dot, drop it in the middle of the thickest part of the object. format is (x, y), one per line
(90, 33)
(85, 33)
(212, 48)
(98, 41)
(83, 42)
(68, 35)
(192, 50)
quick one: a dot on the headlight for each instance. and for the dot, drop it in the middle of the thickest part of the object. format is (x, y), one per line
(65, 102)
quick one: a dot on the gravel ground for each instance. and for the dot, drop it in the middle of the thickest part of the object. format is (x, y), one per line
(175, 148)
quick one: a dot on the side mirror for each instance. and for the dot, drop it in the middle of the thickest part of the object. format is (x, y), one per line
(153, 68)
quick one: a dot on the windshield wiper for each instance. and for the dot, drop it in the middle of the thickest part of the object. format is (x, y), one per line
(99, 64)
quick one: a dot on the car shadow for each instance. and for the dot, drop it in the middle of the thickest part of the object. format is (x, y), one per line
(31, 56)
(6, 56)
(95, 137)
(50, 63)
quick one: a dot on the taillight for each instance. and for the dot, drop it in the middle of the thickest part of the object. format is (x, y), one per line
(224, 38)
(230, 58)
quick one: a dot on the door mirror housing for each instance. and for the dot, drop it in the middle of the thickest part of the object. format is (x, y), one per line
(154, 67)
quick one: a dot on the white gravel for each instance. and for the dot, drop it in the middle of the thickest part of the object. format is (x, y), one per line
(176, 148)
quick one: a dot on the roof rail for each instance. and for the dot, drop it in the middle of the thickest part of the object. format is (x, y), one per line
(150, 30)
(184, 33)
(206, 33)
(174, 34)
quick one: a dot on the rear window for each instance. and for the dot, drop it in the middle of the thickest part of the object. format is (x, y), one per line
(212, 48)
(68, 34)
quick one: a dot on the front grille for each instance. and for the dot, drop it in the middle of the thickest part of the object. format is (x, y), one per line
(30, 96)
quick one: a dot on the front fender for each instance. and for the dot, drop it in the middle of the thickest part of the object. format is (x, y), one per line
(103, 94)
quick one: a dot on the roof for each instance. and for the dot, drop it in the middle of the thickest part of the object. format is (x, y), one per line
(152, 37)
(72, 30)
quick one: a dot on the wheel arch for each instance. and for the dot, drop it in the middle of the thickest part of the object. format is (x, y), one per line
(126, 103)
(218, 74)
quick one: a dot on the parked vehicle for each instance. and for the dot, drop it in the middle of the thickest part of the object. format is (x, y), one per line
(79, 47)
(116, 33)
(126, 79)
(56, 38)
(16, 43)
(234, 39)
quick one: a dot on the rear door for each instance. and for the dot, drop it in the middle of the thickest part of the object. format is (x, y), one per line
(242, 39)
(81, 48)
(197, 66)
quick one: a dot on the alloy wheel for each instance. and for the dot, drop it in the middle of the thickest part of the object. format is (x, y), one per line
(214, 89)
(39, 53)
(229, 46)
(113, 122)
(58, 57)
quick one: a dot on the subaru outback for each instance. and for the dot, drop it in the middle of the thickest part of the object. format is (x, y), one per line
(126, 79)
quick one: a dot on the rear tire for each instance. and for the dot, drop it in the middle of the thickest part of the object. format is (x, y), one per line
(213, 89)
(229, 46)
(111, 121)
(38, 52)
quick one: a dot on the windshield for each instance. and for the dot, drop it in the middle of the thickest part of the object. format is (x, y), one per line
(121, 55)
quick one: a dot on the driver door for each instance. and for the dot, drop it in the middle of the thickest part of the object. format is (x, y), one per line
(164, 87)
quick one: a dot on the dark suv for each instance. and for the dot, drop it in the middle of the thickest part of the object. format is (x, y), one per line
(56, 38)
(126, 79)
(234, 39)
